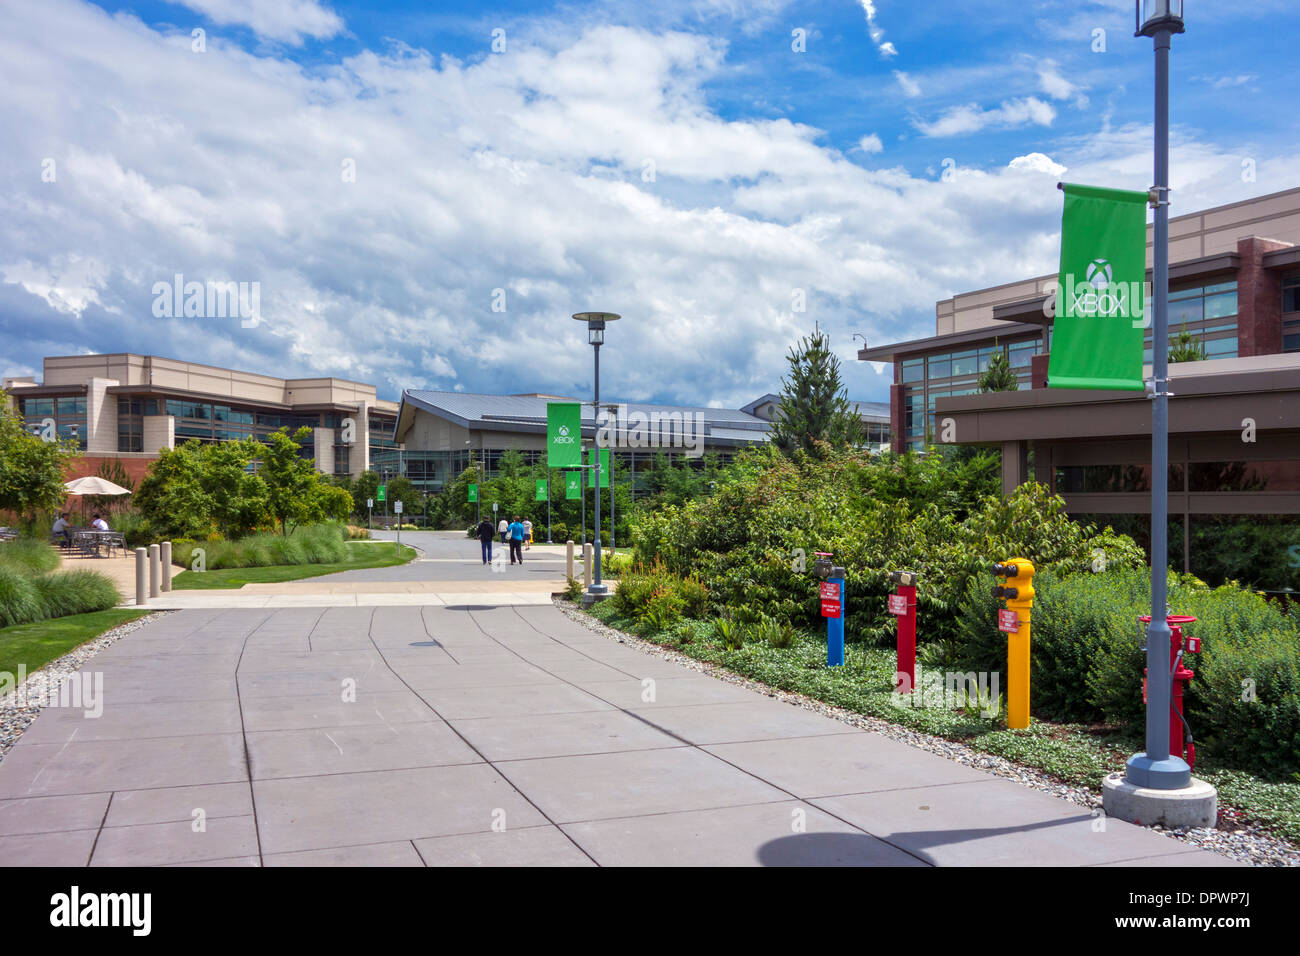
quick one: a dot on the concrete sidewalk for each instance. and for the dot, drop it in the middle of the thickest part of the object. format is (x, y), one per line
(432, 735)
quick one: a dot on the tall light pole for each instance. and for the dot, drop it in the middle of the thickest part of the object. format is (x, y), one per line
(1156, 768)
(596, 336)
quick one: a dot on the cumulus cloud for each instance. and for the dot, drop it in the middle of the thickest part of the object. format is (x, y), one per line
(870, 143)
(970, 118)
(421, 220)
(287, 20)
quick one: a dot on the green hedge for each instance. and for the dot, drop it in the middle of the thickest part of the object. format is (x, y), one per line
(312, 544)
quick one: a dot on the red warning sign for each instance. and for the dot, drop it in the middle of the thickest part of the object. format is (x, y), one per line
(1008, 621)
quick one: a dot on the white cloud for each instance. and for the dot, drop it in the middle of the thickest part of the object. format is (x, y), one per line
(1038, 163)
(870, 143)
(513, 172)
(1051, 82)
(964, 120)
(288, 20)
(909, 86)
(877, 35)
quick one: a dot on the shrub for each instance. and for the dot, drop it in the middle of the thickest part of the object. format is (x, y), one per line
(559, 532)
(28, 556)
(20, 602)
(1247, 695)
(309, 544)
(75, 592)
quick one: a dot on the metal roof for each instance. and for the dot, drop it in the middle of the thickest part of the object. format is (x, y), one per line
(527, 413)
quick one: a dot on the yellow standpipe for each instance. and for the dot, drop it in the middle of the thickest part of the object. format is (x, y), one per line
(1019, 596)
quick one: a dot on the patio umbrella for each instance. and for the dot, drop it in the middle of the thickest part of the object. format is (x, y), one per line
(94, 485)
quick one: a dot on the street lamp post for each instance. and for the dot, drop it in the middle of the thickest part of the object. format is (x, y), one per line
(1156, 768)
(596, 336)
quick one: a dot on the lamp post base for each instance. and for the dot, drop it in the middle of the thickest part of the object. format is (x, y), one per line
(1172, 773)
(594, 594)
(1194, 805)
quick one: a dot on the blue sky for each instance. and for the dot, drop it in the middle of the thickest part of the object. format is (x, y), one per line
(681, 163)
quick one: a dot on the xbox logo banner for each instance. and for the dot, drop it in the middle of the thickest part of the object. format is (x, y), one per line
(1099, 310)
(563, 434)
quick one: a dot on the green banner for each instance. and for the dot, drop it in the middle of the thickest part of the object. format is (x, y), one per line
(604, 464)
(1100, 308)
(572, 485)
(473, 493)
(543, 492)
(563, 434)
(380, 492)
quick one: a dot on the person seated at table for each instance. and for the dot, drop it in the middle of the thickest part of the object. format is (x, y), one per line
(99, 524)
(62, 529)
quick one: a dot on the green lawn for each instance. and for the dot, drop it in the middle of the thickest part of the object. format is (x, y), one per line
(370, 554)
(35, 645)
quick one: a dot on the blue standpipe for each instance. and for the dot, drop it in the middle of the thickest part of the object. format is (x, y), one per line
(835, 625)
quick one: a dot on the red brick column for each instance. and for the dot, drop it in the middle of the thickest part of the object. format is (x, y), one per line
(896, 437)
(1038, 371)
(1259, 299)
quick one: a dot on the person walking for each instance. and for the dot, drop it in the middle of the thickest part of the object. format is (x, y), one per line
(485, 539)
(516, 532)
(504, 528)
(528, 534)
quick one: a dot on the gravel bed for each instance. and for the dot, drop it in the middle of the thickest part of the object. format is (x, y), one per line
(1244, 842)
(19, 708)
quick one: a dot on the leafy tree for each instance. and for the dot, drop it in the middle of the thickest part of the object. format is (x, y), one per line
(238, 500)
(1187, 348)
(998, 377)
(171, 495)
(31, 470)
(292, 481)
(365, 488)
(814, 404)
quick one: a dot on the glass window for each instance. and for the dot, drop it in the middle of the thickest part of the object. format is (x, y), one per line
(940, 366)
(1291, 295)
(913, 370)
(1219, 306)
(1187, 310)
(964, 363)
(1221, 348)
(40, 407)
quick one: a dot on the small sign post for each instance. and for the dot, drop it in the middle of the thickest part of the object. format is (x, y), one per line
(370, 514)
(902, 605)
(397, 510)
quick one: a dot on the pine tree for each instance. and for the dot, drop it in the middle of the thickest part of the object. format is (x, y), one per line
(998, 377)
(814, 403)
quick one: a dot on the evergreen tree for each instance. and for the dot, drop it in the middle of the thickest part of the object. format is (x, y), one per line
(1186, 348)
(998, 377)
(814, 404)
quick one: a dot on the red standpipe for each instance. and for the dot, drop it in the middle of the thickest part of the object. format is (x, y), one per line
(907, 635)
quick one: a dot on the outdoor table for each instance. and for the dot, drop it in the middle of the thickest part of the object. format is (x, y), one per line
(92, 539)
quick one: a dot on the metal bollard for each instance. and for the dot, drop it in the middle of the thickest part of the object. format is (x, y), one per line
(586, 565)
(141, 579)
(568, 561)
(165, 553)
(155, 571)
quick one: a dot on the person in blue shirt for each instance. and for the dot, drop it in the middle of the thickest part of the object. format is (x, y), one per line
(516, 533)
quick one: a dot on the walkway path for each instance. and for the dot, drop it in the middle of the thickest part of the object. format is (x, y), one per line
(489, 733)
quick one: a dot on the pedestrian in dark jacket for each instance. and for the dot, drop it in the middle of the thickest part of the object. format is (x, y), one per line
(485, 539)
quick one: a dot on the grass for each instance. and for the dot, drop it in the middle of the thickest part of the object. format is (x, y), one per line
(382, 554)
(35, 645)
(1073, 753)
